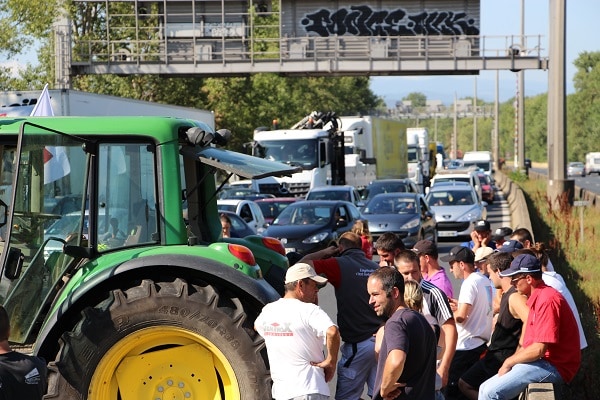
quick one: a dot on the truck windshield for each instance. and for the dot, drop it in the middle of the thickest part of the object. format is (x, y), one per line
(413, 154)
(302, 152)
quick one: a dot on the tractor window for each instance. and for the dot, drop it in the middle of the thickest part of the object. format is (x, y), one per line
(127, 206)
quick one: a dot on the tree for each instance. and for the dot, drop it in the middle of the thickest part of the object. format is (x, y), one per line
(417, 99)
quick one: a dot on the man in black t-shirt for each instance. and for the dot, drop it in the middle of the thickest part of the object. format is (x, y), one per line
(406, 364)
(22, 377)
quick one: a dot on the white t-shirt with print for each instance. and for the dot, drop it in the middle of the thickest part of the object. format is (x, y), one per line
(475, 290)
(294, 333)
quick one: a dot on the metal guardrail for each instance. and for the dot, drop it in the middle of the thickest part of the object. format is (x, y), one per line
(343, 54)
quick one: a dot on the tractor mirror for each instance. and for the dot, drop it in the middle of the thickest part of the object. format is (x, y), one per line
(14, 263)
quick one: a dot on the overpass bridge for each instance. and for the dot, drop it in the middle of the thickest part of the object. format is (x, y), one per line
(310, 38)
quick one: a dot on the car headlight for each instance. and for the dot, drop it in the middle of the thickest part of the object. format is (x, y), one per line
(411, 224)
(319, 237)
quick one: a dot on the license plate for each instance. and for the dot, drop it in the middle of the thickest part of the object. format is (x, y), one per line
(289, 249)
(447, 234)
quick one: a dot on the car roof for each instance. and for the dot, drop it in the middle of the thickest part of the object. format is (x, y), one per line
(278, 199)
(390, 180)
(321, 202)
(451, 184)
(232, 202)
(396, 194)
(332, 187)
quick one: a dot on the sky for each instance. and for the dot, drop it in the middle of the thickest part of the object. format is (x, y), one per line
(498, 17)
(503, 17)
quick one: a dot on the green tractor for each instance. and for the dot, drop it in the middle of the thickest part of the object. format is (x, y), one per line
(113, 268)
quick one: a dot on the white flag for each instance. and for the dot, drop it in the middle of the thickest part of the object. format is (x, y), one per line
(43, 107)
(56, 163)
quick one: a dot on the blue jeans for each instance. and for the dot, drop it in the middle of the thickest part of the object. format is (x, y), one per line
(511, 384)
(355, 368)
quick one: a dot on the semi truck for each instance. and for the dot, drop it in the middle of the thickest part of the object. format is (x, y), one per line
(417, 140)
(333, 150)
(67, 102)
(167, 310)
(592, 163)
(480, 159)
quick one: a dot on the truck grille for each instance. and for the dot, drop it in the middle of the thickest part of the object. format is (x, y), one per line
(287, 189)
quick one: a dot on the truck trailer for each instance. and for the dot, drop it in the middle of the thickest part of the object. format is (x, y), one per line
(67, 102)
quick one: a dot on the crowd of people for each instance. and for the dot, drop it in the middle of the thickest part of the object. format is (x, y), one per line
(403, 332)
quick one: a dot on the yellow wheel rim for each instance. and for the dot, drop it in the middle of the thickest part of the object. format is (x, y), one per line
(164, 362)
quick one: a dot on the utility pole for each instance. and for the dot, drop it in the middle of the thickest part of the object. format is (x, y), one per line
(557, 139)
(496, 139)
(475, 116)
(454, 133)
(521, 107)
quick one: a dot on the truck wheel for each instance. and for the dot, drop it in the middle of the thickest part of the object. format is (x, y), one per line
(162, 340)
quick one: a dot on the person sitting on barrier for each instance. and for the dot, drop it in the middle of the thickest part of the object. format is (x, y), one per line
(547, 353)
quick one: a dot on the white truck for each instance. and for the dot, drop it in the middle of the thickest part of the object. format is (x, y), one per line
(592, 163)
(417, 140)
(480, 159)
(332, 150)
(66, 102)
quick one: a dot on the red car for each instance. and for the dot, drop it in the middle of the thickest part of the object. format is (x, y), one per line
(487, 188)
(271, 207)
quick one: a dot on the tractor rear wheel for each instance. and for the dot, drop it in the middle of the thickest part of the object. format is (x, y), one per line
(162, 340)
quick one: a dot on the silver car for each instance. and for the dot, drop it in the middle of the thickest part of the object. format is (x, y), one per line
(456, 207)
(576, 168)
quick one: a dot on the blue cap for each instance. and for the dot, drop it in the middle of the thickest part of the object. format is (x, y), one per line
(523, 264)
(510, 245)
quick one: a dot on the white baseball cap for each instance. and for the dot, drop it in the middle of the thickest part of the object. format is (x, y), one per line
(301, 271)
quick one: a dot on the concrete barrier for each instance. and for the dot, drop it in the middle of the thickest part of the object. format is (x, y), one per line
(519, 214)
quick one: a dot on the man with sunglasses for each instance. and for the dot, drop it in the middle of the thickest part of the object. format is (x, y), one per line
(548, 353)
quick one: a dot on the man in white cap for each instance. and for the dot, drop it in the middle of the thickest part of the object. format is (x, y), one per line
(294, 328)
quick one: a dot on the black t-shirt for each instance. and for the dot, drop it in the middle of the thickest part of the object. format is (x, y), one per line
(409, 331)
(22, 377)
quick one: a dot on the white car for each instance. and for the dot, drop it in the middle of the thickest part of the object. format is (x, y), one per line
(248, 210)
(456, 208)
(468, 175)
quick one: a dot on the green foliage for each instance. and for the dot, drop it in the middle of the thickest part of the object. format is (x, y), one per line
(417, 99)
(243, 104)
(575, 258)
(23, 21)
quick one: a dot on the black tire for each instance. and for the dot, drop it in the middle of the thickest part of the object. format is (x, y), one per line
(175, 314)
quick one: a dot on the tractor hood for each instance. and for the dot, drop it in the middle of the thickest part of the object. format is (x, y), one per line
(243, 165)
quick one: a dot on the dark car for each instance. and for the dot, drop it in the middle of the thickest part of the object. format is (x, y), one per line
(272, 207)
(405, 214)
(239, 227)
(389, 186)
(307, 226)
(487, 187)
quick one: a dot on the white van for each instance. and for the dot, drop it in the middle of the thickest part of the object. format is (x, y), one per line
(592, 163)
(480, 159)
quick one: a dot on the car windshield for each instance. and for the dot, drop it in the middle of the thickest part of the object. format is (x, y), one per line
(227, 207)
(305, 214)
(450, 198)
(390, 205)
(452, 179)
(271, 209)
(392, 187)
(329, 195)
(577, 165)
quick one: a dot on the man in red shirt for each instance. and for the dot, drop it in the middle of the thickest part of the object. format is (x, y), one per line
(548, 353)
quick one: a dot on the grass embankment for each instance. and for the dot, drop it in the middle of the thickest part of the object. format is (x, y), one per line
(577, 260)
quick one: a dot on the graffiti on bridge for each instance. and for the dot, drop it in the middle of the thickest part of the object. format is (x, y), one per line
(364, 21)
